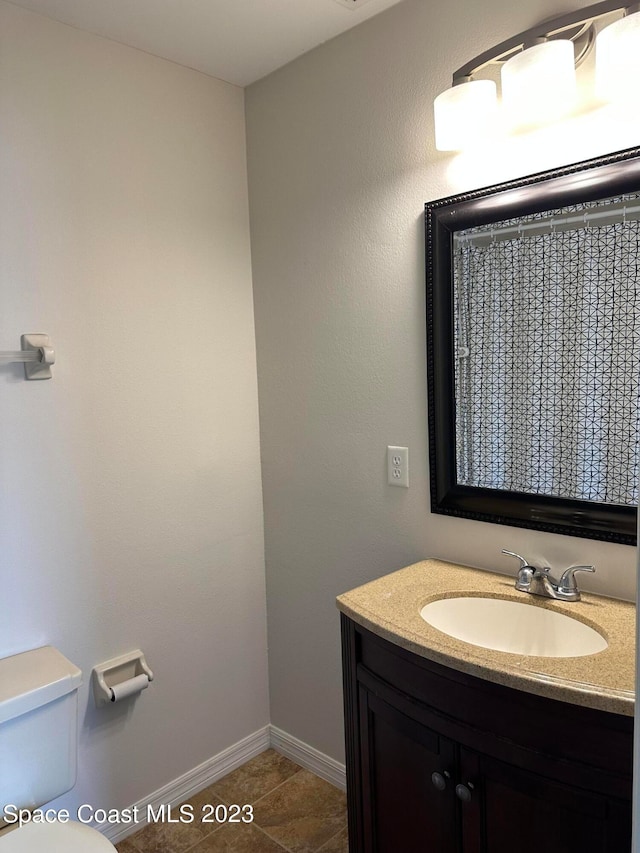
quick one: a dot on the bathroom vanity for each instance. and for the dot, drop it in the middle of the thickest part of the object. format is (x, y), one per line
(456, 748)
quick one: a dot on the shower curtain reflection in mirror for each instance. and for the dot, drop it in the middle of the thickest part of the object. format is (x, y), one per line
(547, 348)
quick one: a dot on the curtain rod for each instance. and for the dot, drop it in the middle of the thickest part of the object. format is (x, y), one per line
(613, 214)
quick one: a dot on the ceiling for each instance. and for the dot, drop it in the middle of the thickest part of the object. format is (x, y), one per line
(239, 41)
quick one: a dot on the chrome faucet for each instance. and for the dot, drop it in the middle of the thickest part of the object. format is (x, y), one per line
(541, 582)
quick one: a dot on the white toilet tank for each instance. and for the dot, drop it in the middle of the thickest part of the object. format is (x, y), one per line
(38, 727)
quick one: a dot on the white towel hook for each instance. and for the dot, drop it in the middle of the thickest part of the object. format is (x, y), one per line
(36, 353)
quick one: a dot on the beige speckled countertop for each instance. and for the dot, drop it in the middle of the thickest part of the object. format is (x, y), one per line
(390, 607)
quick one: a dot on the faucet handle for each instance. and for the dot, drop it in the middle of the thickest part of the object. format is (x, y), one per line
(525, 572)
(523, 563)
(568, 580)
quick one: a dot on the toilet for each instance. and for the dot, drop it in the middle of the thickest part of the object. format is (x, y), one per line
(38, 753)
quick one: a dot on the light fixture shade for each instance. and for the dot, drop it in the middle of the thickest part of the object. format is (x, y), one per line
(539, 84)
(618, 59)
(465, 113)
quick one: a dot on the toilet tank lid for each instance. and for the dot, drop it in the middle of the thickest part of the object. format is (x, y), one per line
(35, 678)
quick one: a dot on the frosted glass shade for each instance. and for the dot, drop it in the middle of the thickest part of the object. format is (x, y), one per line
(618, 60)
(465, 113)
(539, 84)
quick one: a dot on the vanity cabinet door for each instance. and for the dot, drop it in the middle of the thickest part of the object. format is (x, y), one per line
(514, 809)
(526, 774)
(406, 809)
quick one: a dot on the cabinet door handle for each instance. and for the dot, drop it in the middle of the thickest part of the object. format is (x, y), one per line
(439, 781)
(464, 793)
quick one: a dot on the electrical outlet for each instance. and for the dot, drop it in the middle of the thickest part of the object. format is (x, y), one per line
(398, 466)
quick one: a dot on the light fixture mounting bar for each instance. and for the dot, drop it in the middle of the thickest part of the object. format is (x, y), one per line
(543, 30)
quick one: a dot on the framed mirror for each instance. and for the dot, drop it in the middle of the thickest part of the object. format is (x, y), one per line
(533, 350)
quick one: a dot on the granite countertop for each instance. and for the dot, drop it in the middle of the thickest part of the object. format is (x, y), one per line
(390, 607)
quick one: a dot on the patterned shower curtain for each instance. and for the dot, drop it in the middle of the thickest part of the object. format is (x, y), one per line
(548, 362)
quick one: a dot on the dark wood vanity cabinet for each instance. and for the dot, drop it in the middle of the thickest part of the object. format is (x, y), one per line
(443, 762)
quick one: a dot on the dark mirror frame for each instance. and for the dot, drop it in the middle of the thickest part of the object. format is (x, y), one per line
(591, 180)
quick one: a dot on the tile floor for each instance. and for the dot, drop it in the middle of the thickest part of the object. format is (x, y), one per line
(294, 811)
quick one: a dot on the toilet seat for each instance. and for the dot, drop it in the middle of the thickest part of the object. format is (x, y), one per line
(54, 837)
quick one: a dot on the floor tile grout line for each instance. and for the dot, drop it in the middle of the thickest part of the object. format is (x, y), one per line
(320, 849)
(206, 835)
(264, 831)
(195, 845)
(317, 850)
(216, 825)
(288, 779)
(278, 843)
(186, 850)
(228, 804)
(270, 791)
(277, 787)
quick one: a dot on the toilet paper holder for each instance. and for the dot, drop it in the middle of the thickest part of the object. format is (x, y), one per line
(121, 677)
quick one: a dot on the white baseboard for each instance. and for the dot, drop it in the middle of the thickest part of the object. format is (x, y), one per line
(194, 780)
(308, 757)
(224, 762)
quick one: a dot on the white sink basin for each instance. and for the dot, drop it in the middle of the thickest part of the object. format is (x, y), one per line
(511, 626)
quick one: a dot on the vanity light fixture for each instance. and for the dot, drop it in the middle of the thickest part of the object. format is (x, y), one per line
(465, 112)
(618, 58)
(539, 83)
(538, 79)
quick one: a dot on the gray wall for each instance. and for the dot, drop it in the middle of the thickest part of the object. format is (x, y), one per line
(341, 161)
(130, 495)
